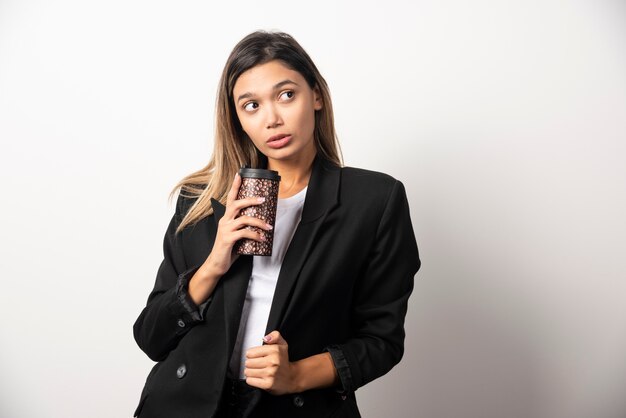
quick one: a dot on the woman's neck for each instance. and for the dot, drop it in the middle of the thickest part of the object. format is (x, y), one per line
(294, 174)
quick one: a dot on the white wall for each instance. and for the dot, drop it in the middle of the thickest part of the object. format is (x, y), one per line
(506, 120)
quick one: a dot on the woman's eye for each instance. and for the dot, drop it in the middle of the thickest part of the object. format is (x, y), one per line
(250, 106)
(287, 95)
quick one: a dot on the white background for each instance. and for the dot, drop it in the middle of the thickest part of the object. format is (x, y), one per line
(506, 120)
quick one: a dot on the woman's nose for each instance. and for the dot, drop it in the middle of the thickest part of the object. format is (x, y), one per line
(273, 117)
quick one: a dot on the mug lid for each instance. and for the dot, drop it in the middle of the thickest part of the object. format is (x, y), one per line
(259, 173)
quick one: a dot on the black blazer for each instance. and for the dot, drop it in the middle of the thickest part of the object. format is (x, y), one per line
(343, 288)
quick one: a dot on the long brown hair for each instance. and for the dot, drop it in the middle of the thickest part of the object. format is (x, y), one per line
(232, 147)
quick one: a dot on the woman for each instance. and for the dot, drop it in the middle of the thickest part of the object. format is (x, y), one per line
(294, 334)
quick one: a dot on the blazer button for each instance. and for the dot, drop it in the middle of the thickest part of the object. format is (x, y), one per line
(298, 401)
(181, 371)
(181, 323)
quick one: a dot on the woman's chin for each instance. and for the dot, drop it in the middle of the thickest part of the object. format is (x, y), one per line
(290, 153)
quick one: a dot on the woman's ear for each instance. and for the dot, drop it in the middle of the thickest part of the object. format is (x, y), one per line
(317, 97)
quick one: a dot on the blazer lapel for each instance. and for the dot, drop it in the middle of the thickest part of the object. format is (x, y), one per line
(234, 285)
(321, 197)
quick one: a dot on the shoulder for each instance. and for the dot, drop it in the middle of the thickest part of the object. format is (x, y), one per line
(368, 175)
(371, 196)
(359, 180)
(369, 193)
(184, 201)
(187, 197)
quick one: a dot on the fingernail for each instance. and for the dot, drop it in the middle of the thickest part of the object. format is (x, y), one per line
(268, 226)
(267, 338)
(262, 237)
(260, 199)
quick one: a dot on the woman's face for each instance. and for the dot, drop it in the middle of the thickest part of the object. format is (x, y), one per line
(276, 108)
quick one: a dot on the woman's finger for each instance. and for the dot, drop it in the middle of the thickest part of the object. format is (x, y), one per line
(259, 373)
(243, 221)
(256, 363)
(274, 337)
(236, 205)
(249, 234)
(262, 351)
(253, 374)
(258, 382)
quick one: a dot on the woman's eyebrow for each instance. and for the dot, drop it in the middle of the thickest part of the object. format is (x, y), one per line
(282, 83)
(277, 86)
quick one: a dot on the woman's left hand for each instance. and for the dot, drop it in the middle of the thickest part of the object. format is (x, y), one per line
(268, 367)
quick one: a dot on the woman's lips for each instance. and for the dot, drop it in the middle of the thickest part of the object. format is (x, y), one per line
(279, 143)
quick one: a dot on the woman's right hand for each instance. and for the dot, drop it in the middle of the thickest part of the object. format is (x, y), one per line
(230, 229)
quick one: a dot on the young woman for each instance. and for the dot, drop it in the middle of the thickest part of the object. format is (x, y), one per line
(294, 334)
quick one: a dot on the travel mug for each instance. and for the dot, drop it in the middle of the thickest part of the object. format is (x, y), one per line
(257, 182)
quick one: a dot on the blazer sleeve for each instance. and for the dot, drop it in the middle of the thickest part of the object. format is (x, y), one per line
(380, 299)
(170, 312)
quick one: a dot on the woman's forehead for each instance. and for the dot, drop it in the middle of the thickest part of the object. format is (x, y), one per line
(264, 78)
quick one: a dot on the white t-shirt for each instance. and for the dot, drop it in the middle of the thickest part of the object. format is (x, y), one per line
(265, 270)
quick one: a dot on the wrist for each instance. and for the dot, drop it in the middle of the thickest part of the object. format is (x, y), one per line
(202, 284)
(207, 271)
(212, 268)
(297, 377)
(315, 372)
